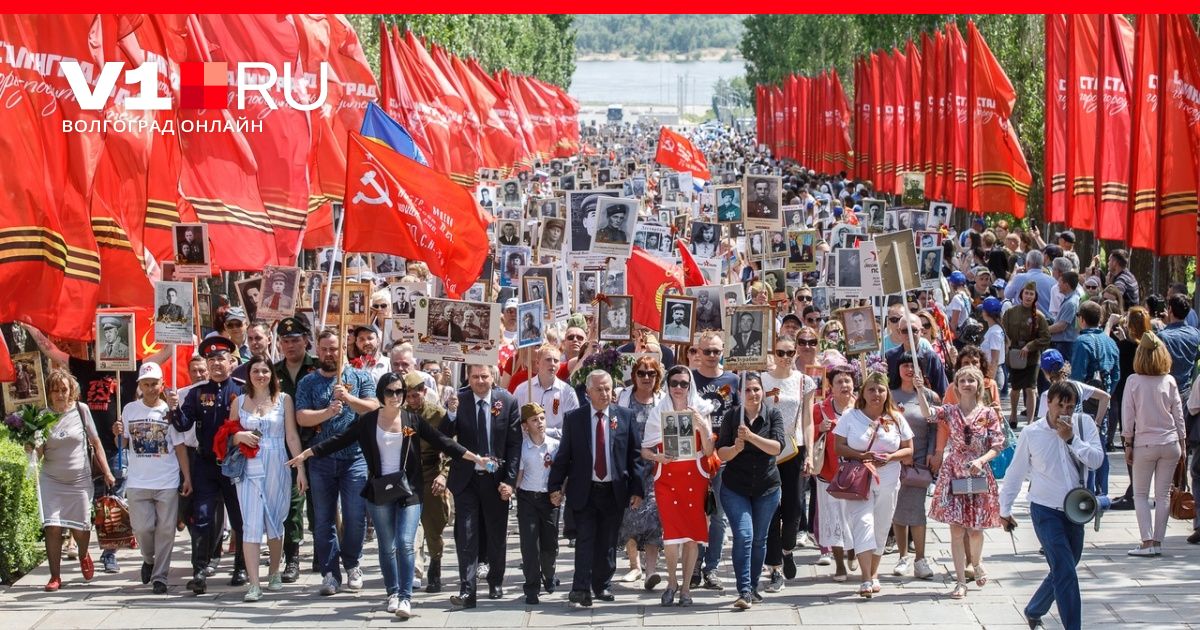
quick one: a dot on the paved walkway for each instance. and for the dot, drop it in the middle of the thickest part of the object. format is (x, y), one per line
(1117, 590)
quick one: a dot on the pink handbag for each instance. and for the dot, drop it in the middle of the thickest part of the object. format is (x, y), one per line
(853, 479)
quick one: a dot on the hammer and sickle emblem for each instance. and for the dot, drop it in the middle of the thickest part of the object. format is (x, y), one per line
(669, 144)
(368, 179)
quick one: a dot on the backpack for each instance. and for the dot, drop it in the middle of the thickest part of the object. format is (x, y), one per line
(970, 331)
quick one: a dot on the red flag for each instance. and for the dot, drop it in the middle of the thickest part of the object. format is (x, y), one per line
(506, 110)
(400, 103)
(520, 113)
(500, 148)
(878, 153)
(1143, 215)
(916, 105)
(1082, 105)
(8, 371)
(676, 152)
(692, 276)
(956, 116)
(441, 94)
(1179, 138)
(840, 139)
(887, 129)
(1055, 171)
(929, 64)
(862, 120)
(899, 83)
(1000, 177)
(942, 168)
(650, 279)
(1114, 125)
(397, 206)
(49, 261)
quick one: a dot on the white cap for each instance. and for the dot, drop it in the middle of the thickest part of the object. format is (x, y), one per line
(150, 370)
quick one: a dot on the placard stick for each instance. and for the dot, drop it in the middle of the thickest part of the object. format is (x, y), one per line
(342, 319)
(529, 372)
(912, 343)
(328, 282)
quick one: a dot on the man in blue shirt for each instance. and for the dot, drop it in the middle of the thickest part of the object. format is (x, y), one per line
(1065, 330)
(1182, 342)
(1095, 355)
(1045, 284)
(332, 404)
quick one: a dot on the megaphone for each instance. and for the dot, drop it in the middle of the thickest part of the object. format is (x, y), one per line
(1104, 504)
(1080, 506)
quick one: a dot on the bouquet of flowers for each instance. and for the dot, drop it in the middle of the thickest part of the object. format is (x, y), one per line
(30, 425)
(608, 359)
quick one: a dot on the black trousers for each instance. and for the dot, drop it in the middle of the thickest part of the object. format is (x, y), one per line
(480, 503)
(597, 524)
(537, 522)
(209, 484)
(785, 525)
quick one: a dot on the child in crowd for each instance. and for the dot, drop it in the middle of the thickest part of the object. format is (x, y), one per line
(537, 518)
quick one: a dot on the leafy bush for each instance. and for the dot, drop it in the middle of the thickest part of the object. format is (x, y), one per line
(21, 547)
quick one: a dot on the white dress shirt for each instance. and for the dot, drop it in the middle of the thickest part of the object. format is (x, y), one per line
(558, 392)
(607, 413)
(1051, 464)
(535, 463)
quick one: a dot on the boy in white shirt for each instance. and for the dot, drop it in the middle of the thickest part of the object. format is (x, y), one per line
(537, 517)
(157, 458)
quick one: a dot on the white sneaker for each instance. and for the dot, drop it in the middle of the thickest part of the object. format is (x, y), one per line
(806, 540)
(393, 602)
(417, 583)
(329, 585)
(355, 579)
(825, 560)
(921, 569)
(404, 610)
(903, 566)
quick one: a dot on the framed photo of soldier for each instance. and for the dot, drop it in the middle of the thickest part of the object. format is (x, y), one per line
(388, 266)
(776, 280)
(357, 299)
(582, 220)
(192, 257)
(404, 296)
(17, 339)
(931, 266)
(553, 287)
(793, 218)
(174, 315)
(29, 386)
(249, 294)
(310, 288)
(656, 240)
(280, 289)
(748, 338)
(616, 219)
(478, 292)
(614, 282)
(678, 319)
(329, 261)
(615, 318)
(535, 288)
(848, 278)
(763, 200)
(918, 220)
(678, 434)
(548, 207)
(861, 332)
(510, 190)
(802, 251)
(508, 233)
(530, 318)
(876, 211)
(486, 196)
(587, 286)
(927, 239)
(512, 259)
(913, 187)
(552, 237)
(116, 339)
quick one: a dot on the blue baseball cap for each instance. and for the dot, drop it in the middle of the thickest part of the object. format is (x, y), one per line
(1052, 360)
(992, 306)
(958, 279)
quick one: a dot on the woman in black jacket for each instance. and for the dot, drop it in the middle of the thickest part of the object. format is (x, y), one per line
(394, 480)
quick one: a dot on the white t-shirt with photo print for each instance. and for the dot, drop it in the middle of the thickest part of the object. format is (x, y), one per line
(151, 447)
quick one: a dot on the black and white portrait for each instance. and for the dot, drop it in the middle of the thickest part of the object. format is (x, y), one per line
(615, 318)
(18, 339)
(931, 265)
(777, 245)
(535, 288)
(603, 176)
(918, 220)
(764, 198)
(567, 181)
(709, 314)
(511, 261)
(876, 214)
(478, 292)
(459, 322)
(250, 294)
(748, 337)
(706, 239)
(329, 260)
(404, 299)
(776, 279)
(614, 282)
(508, 233)
(173, 314)
(486, 197)
(891, 221)
(677, 318)
(548, 208)
(192, 259)
(729, 204)
(553, 236)
(656, 239)
(927, 239)
(587, 285)
(939, 213)
(279, 290)
(849, 269)
(530, 316)
(115, 342)
(582, 207)
(821, 298)
(861, 334)
(511, 193)
(388, 266)
(638, 186)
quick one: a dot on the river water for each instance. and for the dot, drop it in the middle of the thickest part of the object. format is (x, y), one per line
(649, 82)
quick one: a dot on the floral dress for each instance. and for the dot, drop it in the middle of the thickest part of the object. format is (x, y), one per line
(969, 440)
(643, 524)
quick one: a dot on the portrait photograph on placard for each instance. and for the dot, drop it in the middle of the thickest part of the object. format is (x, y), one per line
(279, 290)
(535, 288)
(510, 193)
(582, 223)
(552, 237)
(548, 208)
(891, 221)
(29, 386)
(173, 314)
(817, 374)
(388, 266)
(358, 264)
(508, 233)
(838, 235)
(776, 280)
(310, 288)
(250, 294)
(615, 318)
(821, 298)
(931, 266)
(168, 270)
(914, 188)
(486, 196)
(616, 219)
(116, 339)
(729, 204)
(793, 217)
(708, 312)
(927, 239)
(876, 211)
(749, 338)
(454, 321)
(357, 296)
(550, 291)
(705, 239)
(530, 317)
(404, 298)
(939, 214)
(614, 282)
(512, 259)
(480, 291)
(732, 296)
(655, 239)
(587, 285)
(678, 318)
(802, 251)
(756, 244)
(849, 272)
(918, 220)
(763, 198)
(777, 245)
(679, 439)
(204, 306)
(329, 261)
(192, 258)
(861, 332)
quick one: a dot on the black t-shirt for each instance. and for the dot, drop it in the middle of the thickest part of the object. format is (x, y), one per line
(98, 391)
(723, 392)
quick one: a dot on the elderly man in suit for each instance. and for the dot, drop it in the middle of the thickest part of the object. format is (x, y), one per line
(487, 422)
(600, 455)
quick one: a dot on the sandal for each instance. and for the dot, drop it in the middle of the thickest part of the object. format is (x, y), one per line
(960, 591)
(980, 575)
(865, 590)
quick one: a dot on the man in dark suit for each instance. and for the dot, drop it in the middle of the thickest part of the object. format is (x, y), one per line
(600, 453)
(746, 341)
(480, 495)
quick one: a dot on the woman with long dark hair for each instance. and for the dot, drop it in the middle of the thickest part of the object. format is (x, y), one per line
(1027, 331)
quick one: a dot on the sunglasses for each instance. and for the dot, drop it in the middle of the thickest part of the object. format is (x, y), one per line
(927, 326)
(379, 306)
(894, 320)
(646, 373)
(804, 298)
(434, 372)
(809, 343)
(393, 391)
(680, 384)
(785, 353)
(237, 323)
(576, 338)
(711, 352)
(813, 320)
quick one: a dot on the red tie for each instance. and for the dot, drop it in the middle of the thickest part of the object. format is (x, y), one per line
(601, 466)
(275, 302)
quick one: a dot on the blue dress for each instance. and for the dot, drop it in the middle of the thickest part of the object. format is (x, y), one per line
(266, 491)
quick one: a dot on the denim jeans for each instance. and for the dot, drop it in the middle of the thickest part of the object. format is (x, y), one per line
(1097, 480)
(711, 553)
(396, 529)
(333, 480)
(1062, 541)
(749, 519)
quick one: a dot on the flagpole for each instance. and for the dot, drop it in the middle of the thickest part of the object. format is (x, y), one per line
(342, 317)
(337, 245)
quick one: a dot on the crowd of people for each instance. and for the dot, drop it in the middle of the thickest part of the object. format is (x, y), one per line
(353, 434)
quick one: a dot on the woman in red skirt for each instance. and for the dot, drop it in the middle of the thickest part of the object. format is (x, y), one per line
(680, 445)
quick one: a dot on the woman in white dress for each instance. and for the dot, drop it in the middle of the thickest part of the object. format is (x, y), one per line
(268, 420)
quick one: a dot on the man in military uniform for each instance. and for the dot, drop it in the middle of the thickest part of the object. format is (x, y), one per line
(113, 347)
(615, 231)
(729, 209)
(171, 312)
(206, 408)
(678, 328)
(276, 300)
(435, 469)
(295, 365)
(762, 205)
